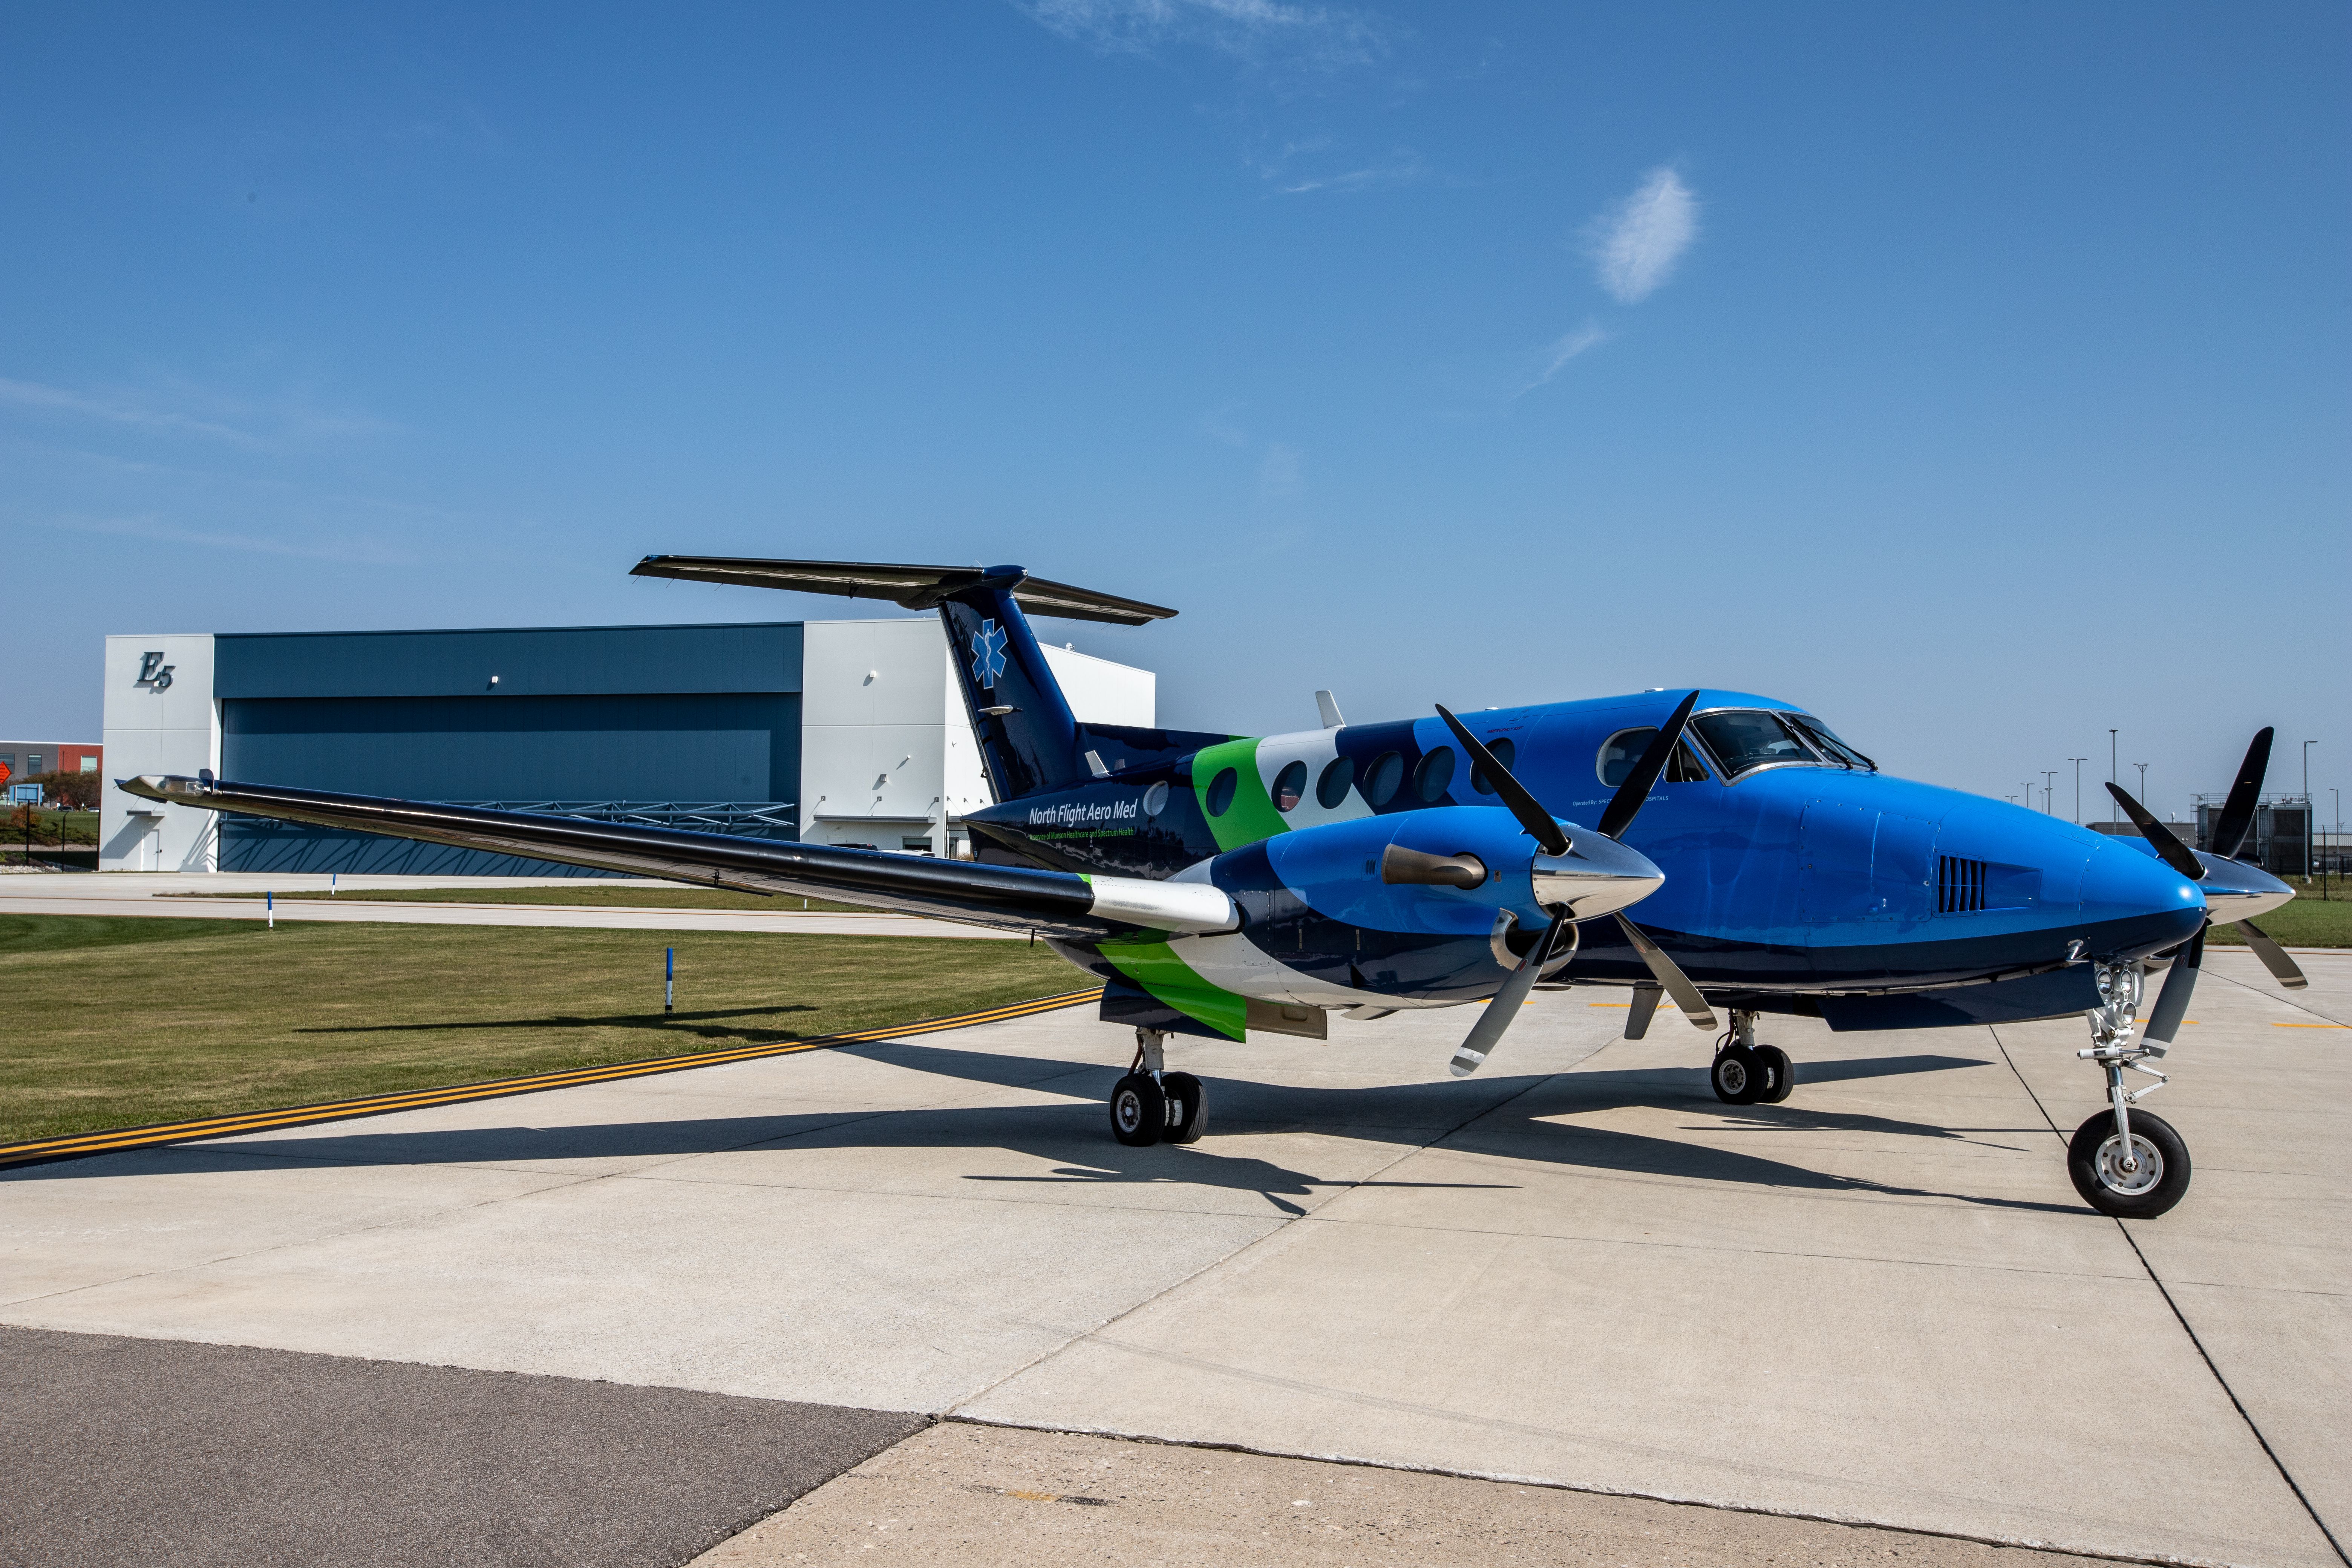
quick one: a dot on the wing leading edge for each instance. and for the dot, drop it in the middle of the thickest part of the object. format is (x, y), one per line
(1052, 903)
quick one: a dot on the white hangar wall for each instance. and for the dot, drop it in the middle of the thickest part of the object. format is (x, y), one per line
(888, 755)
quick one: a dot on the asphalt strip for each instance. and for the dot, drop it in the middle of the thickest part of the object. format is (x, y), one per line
(143, 1451)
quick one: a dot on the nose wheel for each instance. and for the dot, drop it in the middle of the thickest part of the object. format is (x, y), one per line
(1745, 1073)
(2125, 1161)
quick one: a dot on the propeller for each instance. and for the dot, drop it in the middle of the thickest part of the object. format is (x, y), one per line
(2229, 830)
(2237, 818)
(1546, 830)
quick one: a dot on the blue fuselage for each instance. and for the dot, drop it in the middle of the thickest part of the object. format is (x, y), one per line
(1793, 881)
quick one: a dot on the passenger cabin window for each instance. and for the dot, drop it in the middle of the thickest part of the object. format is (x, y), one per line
(1381, 780)
(1623, 748)
(1221, 792)
(1828, 745)
(1433, 774)
(1289, 785)
(1745, 740)
(1504, 752)
(1331, 789)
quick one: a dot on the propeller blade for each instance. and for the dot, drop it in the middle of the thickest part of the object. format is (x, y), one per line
(1670, 976)
(2274, 958)
(1641, 1009)
(2168, 845)
(1471, 1053)
(2237, 816)
(1532, 815)
(1627, 801)
(2172, 1001)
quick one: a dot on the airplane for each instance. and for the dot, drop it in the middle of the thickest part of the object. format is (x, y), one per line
(1224, 886)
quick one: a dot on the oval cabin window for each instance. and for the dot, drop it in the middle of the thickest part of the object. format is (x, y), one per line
(1381, 780)
(1220, 791)
(1289, 786)
(1331, 789)
(1436, 772)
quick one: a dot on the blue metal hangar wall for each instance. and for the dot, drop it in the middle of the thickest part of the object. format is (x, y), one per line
(850, 733)
(698, 724)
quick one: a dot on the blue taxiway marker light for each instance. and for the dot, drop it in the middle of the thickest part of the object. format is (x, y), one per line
(669, 976)
(269, 907)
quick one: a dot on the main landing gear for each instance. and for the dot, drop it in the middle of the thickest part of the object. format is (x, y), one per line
(1745, 1073)
(1152, 1105)
(2125, 1163)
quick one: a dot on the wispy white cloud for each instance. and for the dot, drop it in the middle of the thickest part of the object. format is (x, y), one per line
(1279, 473)
(199, 413)
(1218, 424)
(1636, 243)
(1401, 167)
(33, 394)
(1258, 31)
(317, 547)
(1548, 360)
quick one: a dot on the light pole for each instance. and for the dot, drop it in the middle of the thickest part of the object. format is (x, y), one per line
(2308, 815)
(2029, 795)
(2143, 783)
(2049, 783)
(2078, 763)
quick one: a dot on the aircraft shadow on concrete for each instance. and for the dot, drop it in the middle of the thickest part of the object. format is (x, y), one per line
(1510, 1116)
(703, 1025)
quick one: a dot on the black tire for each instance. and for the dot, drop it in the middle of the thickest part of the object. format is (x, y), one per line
(2140, 1194)
(1188, 1108)
(1735, 1077)
(1138, 1113)
(1780, 1074)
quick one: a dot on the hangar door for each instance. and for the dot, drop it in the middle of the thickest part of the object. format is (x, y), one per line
(737, 749)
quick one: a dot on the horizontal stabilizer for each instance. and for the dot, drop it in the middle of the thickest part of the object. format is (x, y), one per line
(911, 587)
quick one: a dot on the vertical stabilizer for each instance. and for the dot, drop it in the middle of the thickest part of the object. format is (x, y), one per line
(1028, 738)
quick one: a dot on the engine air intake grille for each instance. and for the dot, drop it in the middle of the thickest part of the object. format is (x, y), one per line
(1959, 885)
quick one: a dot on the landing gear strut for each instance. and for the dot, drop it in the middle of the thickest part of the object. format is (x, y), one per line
(2125, 1163)
(1745, 1073)
(1152, 1105)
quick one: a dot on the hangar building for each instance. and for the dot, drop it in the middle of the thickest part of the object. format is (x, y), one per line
(835, 731)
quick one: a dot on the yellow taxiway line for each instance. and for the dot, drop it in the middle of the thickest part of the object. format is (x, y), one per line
(120, 1138)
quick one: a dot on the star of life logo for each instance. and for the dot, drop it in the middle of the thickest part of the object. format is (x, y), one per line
(988, 654)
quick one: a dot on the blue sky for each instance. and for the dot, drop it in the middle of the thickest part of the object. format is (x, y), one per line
(1977, 374)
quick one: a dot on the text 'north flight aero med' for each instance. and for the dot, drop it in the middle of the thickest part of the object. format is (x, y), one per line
(1221, 885)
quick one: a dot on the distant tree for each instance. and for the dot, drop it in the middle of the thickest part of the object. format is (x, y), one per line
(74, 791)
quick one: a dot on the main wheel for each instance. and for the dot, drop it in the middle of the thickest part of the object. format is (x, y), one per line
(2159, 1180)
(1735, 1076)
(1138, 1112)
(1188, 1108)
(1779, 1072)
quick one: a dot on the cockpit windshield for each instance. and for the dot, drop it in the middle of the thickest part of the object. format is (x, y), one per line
(1829, 745)
(1741, 740)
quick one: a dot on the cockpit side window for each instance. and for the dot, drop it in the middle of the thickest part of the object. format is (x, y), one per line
(1751, 738)
(1623, 748)
(1828, 745)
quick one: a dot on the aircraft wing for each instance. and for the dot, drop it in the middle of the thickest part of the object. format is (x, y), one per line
(1051, 903)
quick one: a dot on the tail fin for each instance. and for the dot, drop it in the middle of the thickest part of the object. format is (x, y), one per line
(1028, 739)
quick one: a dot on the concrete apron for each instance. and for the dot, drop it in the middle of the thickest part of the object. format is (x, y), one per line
(1878, 1301)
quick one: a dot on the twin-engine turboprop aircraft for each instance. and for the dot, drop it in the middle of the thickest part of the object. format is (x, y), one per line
(1219, 885)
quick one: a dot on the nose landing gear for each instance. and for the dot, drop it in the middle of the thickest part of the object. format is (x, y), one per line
(1152, 1105)
(1745, 1073)
(2126, 1163)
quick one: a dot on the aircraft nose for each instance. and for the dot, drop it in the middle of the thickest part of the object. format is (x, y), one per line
(2119, 883)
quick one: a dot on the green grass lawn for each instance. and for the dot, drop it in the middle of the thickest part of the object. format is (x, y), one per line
(115, 1022)
(593, 893)
(2306, 922)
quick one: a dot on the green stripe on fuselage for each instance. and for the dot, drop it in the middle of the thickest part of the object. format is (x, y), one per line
(1250, 816)
(1153, 964)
